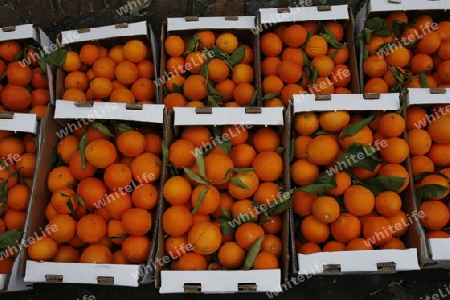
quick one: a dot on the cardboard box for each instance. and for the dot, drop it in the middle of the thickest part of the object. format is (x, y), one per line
(232, 281)
(27, 123)
(344, 262)
(436, 252)
(438, 10)
(269, 18)
(54, 129)
(241, 26)
(107, 36)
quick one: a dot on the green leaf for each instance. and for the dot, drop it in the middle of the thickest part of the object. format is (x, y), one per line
(432, 191)
(226, 227)
(280, 150)
(220, 54)
(239, 183)
(177, 88)
(323, 132)
(317, 188)
(423, 80)
(193, 44)
(165, 153)
(201, 197)
(306, 61)
(365, 35)
(57, 160)
(82, 147)
(79, 199)
(56, 58)
(282, 204)
(200, 163)
(380, 184)
(377, 24)
(42, 63)
(270, 96)
(70, 205)
(237, 56)
(226, 213)
(102, 128)
(204, 71)
(195, 177)
(9, 239)
(252, 253)
(359, 156)
(331, 39)
(398, 27)
(314, 75)
(122, 127)
(253, 101)
(366, 53)
(244, 218)
(212, 101)
(241, 170)
(352, 129)
(119, 236)
(422, 175)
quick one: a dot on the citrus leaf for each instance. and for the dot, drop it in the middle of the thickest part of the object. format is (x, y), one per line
(82, 147)
(306, 61)
(380, 184)
(244, 218)
(226, 227)
(398, 27)
(200, 199)
(226, 213)
(270, 96)
(241, 170)
(42, 63)
(432, 191)
(204, 71)
(79, 199)
(237, 56)
(165, 153)
(177, 88)
(280, 150)
(239, 183)
(122, 127)
(377, 24)
(193, 44)
(253, 101)
(317, 188)
(352, 129)
(195, 177)
(70, 205)
(422, 175)
(322, 132)
(331, 39)
(358, 156)
(9, 239)
(252, 253)
(282, 204)
(56, 160)
(365, 35)
(220, 54)
(314, 74)
(423, 80)
(226, 146)
(119, 236)
(212, 101)
(56, 58)
(102, 128)
(200, 163)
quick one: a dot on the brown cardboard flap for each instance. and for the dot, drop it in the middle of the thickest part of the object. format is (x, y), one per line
(83, 30)
(6, 115)
(247, 287)
(231, 18)
(331, 268)
(134, 106)
(84, 104)
(253, 110)
(190, 18)
(371, 96)
(386, 266)
(437, 91)
(105, 280)
(203, 110)
(123, 25)
(324, 8)
(284, 9)
(326, 97)
(192, 288)
(52, 278)
(9, 28)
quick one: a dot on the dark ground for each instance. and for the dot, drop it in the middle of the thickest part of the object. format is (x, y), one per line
(404, 285)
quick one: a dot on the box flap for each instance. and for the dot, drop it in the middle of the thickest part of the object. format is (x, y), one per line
(18, 32)
(109, 111)
(303, 13)
(428, 96)
(308, 102)
(240, 22)
(228, 115)
(440, 249)
(403, 5)
(109, 274)
(220, 281)
(18, 122)
(89, 34)
(358, 261)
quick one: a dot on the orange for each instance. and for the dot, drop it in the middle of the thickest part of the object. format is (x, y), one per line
(364, 136)
(117, 176)
(375, 229)
(247, 234)
(293, 54)
(175, 65)
(43, 249)
(192, 261)
(325, 209)
(444, 50)
(391, 125)
(336, 29)
(438, 131)
(250, 179)
(40, 97)
(199, 136)
(290, 72)
(59, 178)
(98, 254)
(271, 44)
(91, 190)
(289, 90)
(419, 141)
(101, 153)
(317, 45)
(104, 67)
(269, 65)
(123, 95)
(333, 246)
(145, 196)
(395, 151)
(398, 16)
(174, 80)
(205, 238)
(181, 153)
(60, 199)
(343, 182)
(174, 45)
(374, 44)
(174, 100)
(231, 255)
(194, 62)
(268, 166)
(304, 172)
(341, 57)
(217, 70)
(67, 228)
(18, 74)
(312, 26)
(146, 168)
(272, 225)
(359, 244)
(421, 63)
(227, 42)
(72, 62)
(359, 200)
(302, 203)
(340, 76)
(135, 51)
(146, 69)
(195, 87)
(324, 65)
(9, 50)
(395, 170)
(39, 79)
(265, 260)
(66, 254)
(101, 87)
(439, 154)
(306, 123)
(136, 221)
(16, 98)
(294, 35)
(346, 228)
(238, 133)
(89, 54)
(398, 57)
(273, 84)
(421, 164)
(26, 164)
(176, 220)
(176, 246)
(131, 143)
(242, 155)
(266, 139)
(242, 73)
(429, 43)
(136, 249)
(226, 88)
(244, 93)
(18, 197)
(116, 203)
(126, 72)
(177, 190)
(116, 232)
(334, 121)
(443, 29)
(218, 168)
(207, 38)
(91, 228)
(211, 200)
(437, 234)
(14, 219)
(436, 179)
(394, 243)
(309, 248)
(314, 231)
(322, 150)
(267, 192)
(375, 66)
(73, 95)
(388, 203)
(75, 166)
(300, 144)
(226, 202)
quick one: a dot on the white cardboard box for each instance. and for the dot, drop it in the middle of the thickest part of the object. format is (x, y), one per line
(353, 261)
(110, 274)
(438, 249)
(107, 36)
(19, 122)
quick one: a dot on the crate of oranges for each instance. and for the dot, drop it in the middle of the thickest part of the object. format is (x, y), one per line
(224, 206)
(24, 79)
(19, 148)
(208, 61)
(306, 50)
(112, 64)
(404, 45)
(97, 193)
(429, 141)
(352, 204)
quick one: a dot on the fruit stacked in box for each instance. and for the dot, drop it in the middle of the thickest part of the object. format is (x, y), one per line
(103, 195)
(208, 68)
(122, 73)
(429, 143)
(23, 81)
(405, 51)
(17, 165)
(224, 200)
(349, 173)
(306, 57)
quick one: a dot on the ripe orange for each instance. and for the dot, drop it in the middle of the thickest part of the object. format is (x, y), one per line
(205, 238)
(269, 65)
(265, 260)
(376, 229)
(388, 203)
(218, 168)
(429, 43)
(67, 227)
(98, 254)
(227, 42)
(268, 166)
(135, 51)
(314, 231)
(308, 248)
(231, 255)
(398, 57)
(16, 98)
(89, 54)
(218, 70)
(290, 71)
(247, 234)
(359, 200)
(346, 228)
(396, 150)
(334, 121)
(72, 62)
(211, 200)
(9, 50)
(66, 254)
(322, 150)
(293, 54)
(137, 221)
(271, 44)
(192, 261)
(104, 67)
(195, 87)
(91, 228)
(101, 153)
(126, 72)
(43, 249)
(207, 38)
(176, 220)
(303, 172)
(359, 244)
(294, 35)
(336, 29)
(317, 45)
(375, 66)
(302, 203)
(18, 74)
(174, 45)
(325, 209)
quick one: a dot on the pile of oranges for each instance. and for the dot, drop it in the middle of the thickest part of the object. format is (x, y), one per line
(18, 162)
(208, 69)
(429, 144)
(123, 73)
(349, 172)
(23, 84)
(214, 216)
(304, 57)
(405, 53)
(103, 196)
